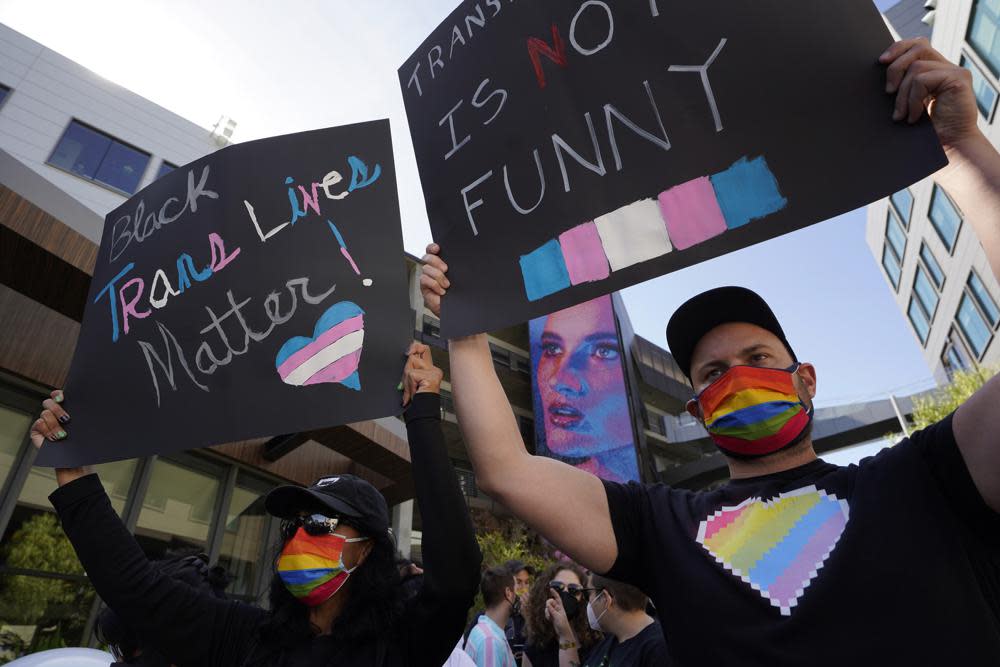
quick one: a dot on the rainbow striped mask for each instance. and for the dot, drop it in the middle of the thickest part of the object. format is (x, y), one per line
(751, 412)
(312, 566)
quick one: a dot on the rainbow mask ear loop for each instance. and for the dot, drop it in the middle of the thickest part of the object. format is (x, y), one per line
(751, 412)
(312, 566)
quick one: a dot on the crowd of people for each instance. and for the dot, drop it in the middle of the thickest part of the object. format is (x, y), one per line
(794, 561)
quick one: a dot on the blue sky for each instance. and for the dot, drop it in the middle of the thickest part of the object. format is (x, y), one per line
(307, 64)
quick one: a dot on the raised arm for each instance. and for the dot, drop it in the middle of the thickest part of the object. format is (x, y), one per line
(538, 490)
(185, 625)
(451, 559)
(925, 81)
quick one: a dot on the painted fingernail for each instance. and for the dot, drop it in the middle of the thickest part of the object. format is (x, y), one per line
(64, 419)
(61, 435)
(399, 387)
(59, 398)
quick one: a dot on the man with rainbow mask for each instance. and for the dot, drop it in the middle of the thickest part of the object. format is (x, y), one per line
(795, 560)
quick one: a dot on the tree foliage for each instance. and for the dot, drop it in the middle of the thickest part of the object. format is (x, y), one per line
(504, 539)
(56, 606)
(932, 409)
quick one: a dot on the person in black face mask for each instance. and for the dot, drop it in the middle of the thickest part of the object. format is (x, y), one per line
(566, 581)
(336, 596)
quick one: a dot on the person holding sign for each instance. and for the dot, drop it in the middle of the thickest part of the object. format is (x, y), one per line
(794, 561)
(336, 597)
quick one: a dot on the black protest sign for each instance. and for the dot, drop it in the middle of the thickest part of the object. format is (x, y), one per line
(261, 290)
(571, 148)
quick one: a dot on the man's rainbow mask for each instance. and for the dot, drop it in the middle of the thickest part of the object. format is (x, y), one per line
(751, 412)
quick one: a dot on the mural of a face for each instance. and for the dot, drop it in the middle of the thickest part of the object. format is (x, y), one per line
(581, 383)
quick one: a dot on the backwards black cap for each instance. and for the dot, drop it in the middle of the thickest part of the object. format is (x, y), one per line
(340, 495)
(700, 314)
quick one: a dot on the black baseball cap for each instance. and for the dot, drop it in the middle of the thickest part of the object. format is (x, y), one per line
(702, 313)
(340, 495)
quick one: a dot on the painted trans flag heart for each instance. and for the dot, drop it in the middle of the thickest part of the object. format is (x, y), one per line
(331, 355)
(777, 546)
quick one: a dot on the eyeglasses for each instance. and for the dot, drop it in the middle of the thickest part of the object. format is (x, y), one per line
(313, 524)
(576, 590)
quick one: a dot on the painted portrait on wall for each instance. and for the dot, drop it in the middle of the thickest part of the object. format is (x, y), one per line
(578, 381)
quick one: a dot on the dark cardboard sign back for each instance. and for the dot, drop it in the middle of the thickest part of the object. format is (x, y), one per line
(258, 291)
(571, 148)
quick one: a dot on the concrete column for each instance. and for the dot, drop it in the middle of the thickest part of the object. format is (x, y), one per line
(402, 526)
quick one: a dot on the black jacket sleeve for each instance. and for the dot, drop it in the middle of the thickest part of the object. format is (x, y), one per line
(435, 618)
(185, 625)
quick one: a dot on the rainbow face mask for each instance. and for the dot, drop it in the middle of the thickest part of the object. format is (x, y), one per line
(751, 412)
(312, 566)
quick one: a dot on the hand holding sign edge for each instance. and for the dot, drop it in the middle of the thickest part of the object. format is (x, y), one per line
(51, 426)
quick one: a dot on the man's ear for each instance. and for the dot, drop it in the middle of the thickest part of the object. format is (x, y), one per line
(694, 409)
(806, 375)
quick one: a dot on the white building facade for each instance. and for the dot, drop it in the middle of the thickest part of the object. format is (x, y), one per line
(929, 256)
(95, 140)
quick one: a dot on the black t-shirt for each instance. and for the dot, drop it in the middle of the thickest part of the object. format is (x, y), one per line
(548, 656)
(646, 649)
(892, 561)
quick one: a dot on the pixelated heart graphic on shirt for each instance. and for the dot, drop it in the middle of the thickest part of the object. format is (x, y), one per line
(777, 546)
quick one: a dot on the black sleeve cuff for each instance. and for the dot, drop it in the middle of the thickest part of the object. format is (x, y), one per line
(75, 491)
(425, 405)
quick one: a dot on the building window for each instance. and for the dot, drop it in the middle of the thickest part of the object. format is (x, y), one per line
(896, 234)
(903, 201)
(955, 356)
(501, 356)
(97, 156)
(895, 247)
(466, 481)
(978, 315)
(245, 536)
(919, 320)
(432, 327)
(984, 33)
(984, 299)
(945, 218)
(891, 266)
(974, 326)
(654, 423)
(45, 596)
(447, 402)
(520, 363)
(986, 94)
(926, 295)
(14, 425)
(4, 92)
(181, 499)
(165, 168)
(932, 266)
